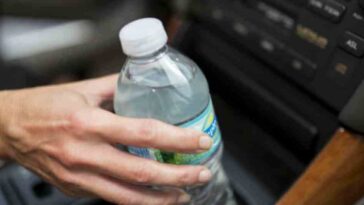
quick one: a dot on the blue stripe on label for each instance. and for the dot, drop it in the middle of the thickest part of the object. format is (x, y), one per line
(142, 152)
(212, 128)
(198, 118)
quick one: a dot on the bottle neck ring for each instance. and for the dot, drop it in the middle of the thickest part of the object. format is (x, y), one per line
(151, 57)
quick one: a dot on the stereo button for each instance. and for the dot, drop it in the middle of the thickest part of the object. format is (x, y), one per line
(333, 10)
(342, 68)
(299, 66)
(353, 44)
(316, 5)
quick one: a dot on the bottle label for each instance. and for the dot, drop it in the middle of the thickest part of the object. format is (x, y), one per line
(205, 122)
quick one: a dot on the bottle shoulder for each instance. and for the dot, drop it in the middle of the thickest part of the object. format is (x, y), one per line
(169, 68)
(172, 89)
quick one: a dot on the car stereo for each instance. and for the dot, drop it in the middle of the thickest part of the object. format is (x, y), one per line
(319, 44)
(300, 60)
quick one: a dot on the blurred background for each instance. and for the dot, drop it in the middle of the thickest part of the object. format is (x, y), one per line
(56, 41)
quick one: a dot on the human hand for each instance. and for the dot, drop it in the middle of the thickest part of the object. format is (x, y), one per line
(61, 133)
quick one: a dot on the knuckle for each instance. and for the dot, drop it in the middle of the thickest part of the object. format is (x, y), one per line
(75, 160)
(70, 157)
(65, 178)
(50, 149)
(143, 175)
(148, 130)
(68, 160)
(79, 121)
(183, 178)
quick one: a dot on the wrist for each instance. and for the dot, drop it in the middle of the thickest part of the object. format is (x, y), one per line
(3, 113)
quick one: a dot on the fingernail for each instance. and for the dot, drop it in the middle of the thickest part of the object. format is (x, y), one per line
(205, 142)
(184, 198)
(205, 176)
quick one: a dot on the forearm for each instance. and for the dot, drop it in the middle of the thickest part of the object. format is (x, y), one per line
(4, 111)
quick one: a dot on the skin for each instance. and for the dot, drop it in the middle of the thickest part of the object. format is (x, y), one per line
(61, 133)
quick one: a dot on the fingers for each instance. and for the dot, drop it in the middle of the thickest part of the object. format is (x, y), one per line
(106, 159)
(146, 133)
(121, 193)
(145, 171)
(83, 183)
(96, 90)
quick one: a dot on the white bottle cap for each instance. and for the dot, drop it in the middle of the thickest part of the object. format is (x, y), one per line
(143, 37)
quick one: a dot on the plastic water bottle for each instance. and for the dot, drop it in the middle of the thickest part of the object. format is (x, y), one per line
(160, 83)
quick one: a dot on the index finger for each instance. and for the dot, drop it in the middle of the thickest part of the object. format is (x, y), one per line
(148, 133)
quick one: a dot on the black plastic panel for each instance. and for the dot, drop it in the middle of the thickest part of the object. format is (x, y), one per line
(297, 120)
(296, 40)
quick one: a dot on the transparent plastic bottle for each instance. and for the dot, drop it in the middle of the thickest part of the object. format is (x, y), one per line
(160, 83)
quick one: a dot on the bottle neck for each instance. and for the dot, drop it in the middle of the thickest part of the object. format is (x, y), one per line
(151, 57)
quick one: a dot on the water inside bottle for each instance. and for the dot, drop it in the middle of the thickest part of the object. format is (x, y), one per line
(171, 88)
